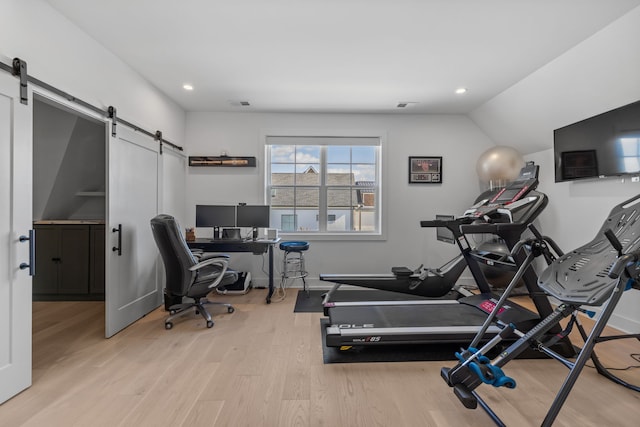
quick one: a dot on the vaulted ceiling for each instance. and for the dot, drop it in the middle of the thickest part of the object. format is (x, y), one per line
(344, 56)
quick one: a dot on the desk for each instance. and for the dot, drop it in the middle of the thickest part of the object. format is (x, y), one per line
(256, 247)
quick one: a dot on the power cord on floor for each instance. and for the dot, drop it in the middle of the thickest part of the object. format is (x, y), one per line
(280, 291)
(634, 356)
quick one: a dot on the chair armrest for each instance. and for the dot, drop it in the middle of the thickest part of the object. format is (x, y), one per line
(219, 261)
(201, 255)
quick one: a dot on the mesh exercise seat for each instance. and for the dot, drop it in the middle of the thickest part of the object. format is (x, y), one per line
(293, 262)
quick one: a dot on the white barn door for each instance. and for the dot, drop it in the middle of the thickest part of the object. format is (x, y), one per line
(174, 183)
(173, 169)
(15, 221)
(132, 283)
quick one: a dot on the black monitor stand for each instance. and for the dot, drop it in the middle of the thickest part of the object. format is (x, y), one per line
(255, 233)
(216, 233)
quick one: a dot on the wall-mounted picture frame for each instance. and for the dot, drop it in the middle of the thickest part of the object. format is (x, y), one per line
(425, 170)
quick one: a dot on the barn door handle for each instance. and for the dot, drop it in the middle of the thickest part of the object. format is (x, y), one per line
(119, 247)
(31, 238)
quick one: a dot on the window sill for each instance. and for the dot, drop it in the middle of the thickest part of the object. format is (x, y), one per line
(333, 236)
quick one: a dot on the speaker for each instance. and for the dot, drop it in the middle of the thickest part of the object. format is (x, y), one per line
(272, 233)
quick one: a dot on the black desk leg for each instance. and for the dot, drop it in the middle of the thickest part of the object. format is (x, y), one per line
(270, 292)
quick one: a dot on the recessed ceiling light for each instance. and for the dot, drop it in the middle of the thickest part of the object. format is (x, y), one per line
(404, 104)
(245, 103)
(461, 90)
(187, 86)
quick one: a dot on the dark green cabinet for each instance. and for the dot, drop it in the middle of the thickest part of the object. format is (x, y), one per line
(69, 261)
(96, 259)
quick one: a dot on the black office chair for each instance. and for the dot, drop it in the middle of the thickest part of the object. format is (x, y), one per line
(188, 276)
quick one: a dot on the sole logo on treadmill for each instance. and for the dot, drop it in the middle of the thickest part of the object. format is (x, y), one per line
(354, 326)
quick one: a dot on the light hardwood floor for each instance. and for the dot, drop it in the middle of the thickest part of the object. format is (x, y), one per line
(262, 366)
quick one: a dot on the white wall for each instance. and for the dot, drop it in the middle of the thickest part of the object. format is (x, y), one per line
(60, 54)
(68, 158)
(598, 75)
(455, 138)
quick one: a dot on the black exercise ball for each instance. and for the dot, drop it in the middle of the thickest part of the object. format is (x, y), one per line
(495, 263)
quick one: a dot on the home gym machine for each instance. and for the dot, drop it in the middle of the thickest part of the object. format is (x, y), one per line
(506, 215)
(438, 282)
(594, 275)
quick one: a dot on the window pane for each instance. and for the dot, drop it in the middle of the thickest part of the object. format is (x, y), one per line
(340, 220)
(307, 174)
(366, 197)
(364, 173)
(363, 154)
(282, 153)
(339, 175)
(307, 219)
(282, 197)
(307, 197)
(365, 219)
(308, 154)
(282, 174)
(286, 219)
(341, 198)
(307, 203)
(338, 154)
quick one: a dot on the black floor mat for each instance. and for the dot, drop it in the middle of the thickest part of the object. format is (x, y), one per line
(387, 353)
(312, 303)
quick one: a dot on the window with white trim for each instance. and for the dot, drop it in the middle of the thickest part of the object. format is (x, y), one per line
(324, 185)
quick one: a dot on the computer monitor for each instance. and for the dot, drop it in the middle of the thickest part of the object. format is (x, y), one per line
(253, 216)
(215, 216)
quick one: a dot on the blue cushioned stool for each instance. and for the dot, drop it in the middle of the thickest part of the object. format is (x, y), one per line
(293, 262)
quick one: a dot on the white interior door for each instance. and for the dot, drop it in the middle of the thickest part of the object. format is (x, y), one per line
(15, 221)
(132, 285)
(174, 182)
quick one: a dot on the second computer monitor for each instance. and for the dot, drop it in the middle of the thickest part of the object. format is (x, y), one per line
(253, 216)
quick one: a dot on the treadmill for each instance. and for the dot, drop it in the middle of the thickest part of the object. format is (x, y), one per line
(507, 214)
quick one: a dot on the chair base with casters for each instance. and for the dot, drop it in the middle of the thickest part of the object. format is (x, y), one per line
(211, 273)
(189, 276)
(293, 262)
(198, 304)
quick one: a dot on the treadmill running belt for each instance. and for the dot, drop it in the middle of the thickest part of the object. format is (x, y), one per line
(400, 316)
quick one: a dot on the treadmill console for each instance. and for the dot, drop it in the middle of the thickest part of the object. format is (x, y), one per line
(511, 197)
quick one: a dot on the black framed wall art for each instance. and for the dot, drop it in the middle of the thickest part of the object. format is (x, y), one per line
(425, 170)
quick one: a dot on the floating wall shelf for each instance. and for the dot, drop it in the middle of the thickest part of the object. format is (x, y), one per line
(225, 161)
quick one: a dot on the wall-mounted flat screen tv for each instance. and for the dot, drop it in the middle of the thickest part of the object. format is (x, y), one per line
(598, 147)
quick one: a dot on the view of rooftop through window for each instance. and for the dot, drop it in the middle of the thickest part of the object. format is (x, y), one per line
(324, 188)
